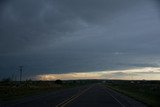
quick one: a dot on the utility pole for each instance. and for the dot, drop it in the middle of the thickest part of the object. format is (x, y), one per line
(20, 71)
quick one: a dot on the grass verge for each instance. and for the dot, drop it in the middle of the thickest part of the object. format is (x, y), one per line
(148, 93)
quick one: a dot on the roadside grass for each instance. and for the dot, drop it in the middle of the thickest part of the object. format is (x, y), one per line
(147, 92)
(12, 91)
(16, 90)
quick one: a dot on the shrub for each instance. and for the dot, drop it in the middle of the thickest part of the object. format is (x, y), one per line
(58, 81)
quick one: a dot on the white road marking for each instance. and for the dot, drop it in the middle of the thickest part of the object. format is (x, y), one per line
(114, 98)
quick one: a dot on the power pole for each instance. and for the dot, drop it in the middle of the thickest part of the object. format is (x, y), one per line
(20, 71)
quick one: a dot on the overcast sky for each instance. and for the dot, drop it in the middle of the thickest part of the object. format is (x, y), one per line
(68, 36)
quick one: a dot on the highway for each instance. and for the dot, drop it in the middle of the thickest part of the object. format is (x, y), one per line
(87, 96)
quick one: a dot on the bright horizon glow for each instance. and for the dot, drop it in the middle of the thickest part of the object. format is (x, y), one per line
(146, 73)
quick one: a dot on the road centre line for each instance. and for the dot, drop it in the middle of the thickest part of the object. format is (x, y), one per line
(64, 103)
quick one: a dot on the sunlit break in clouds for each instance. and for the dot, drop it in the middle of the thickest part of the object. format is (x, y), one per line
(80, 39)
(147, 73)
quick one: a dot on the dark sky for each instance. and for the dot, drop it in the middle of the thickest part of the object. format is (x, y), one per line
(65, 36)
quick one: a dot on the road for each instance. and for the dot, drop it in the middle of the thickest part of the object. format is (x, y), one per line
(87, 96)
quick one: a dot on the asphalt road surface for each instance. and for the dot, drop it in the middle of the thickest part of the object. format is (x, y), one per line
(87, 96)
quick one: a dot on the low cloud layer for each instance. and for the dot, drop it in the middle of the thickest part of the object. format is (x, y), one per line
(53, 36)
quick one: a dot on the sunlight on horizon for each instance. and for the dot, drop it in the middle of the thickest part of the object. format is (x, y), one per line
(146, 73)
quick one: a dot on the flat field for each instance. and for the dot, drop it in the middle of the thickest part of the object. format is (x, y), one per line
(16, 90)
(144, 91)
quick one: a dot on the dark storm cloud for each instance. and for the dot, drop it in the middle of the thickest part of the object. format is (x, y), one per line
(50, 36)
(27, 23)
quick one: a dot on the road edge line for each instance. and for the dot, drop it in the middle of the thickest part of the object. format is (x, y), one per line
(114, 97)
